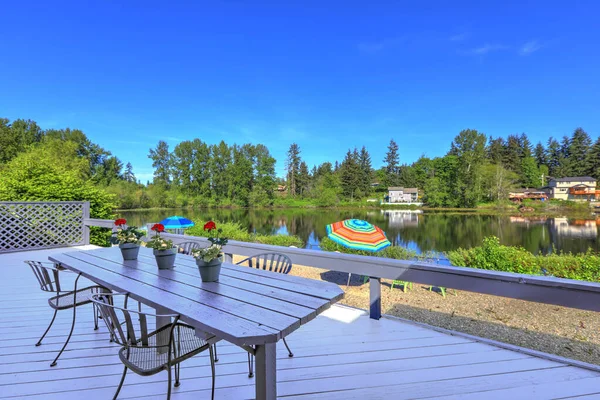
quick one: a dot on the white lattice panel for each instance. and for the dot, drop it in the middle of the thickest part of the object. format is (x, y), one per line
(40, 225)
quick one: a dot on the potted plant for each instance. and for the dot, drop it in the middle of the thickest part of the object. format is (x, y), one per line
(163, 249)
(128, 238)
(209, 259)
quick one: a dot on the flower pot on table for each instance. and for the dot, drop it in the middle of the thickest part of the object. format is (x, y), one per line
(129, 251)
(209, 271)
(165, 258)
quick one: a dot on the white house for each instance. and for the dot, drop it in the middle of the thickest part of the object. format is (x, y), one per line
(402, 195)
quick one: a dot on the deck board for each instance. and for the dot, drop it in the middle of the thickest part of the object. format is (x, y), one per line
(341, 354)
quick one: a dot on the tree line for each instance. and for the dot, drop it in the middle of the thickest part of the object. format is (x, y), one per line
(475, 169)
(35, 163)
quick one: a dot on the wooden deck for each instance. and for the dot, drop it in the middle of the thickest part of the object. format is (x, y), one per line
(341, 355)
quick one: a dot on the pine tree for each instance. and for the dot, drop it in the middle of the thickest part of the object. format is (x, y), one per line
(391, 160)
(553, 158)
(366, 171)
(303, 179)
(579, 147)
(593, 160)
(128, 174)
(292, 166)
(564, 168)
(540, 154)
(350, 174)
(513, 154)
(525, 145)
(495, 150)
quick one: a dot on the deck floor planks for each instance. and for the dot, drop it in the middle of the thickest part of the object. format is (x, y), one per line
(342, 354)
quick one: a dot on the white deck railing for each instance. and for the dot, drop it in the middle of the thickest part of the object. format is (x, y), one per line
(33, 225)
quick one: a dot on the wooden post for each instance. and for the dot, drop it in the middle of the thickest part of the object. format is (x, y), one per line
(266, 371)
(86, 228)
(375, 297)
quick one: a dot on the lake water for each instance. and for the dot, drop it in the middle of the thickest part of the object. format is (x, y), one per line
(422, 232)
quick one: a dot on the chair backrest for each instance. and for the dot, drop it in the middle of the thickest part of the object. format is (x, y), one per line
(187, 247)
(275, 262)
(125, 330)
(46, 274)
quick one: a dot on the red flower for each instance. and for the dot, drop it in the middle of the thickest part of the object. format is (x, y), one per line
(158, 228)
(209, 226)
(120, 221)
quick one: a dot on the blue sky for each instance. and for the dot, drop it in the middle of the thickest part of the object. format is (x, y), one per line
(327, 75)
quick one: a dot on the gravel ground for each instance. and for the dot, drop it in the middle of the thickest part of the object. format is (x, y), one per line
(557, 330)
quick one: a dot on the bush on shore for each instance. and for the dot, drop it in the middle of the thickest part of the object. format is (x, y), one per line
(494, 256)
(235, 231)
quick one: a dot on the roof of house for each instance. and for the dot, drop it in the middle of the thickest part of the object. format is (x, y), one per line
(574, 179)
(405, 190)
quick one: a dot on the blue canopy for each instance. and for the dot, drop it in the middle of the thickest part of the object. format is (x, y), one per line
(176, 222)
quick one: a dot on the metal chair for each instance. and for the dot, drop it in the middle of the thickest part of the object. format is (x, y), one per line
(148, 352)
(274, 262)
(187, 247)
(47, 274)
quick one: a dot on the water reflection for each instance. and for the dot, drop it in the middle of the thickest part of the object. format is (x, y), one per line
(423, 232)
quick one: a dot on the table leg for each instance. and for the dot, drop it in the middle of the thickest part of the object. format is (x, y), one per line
(162, 339)
(266, 371)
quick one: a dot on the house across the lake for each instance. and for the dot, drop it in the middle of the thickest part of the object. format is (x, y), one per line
(582, 188)
(402, 195)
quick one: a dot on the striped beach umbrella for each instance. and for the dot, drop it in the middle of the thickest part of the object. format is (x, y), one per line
(358, 235)
(176, 222)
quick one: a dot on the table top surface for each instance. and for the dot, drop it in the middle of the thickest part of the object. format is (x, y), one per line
(247, 305)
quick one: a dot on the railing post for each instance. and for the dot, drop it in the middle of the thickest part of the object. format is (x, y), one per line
(375, 297)
(86, 228)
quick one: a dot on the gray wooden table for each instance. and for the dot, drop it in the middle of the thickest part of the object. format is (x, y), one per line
(247, 307)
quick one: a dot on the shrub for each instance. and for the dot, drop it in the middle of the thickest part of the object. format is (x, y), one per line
(235, 231)
(494, 256)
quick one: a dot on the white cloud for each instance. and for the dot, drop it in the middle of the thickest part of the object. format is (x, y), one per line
(459, 37)
(530, 47)
(486, 48)
(377, 46)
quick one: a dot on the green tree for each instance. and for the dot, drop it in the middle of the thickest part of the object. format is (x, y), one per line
(497, 181)
(513, 154)
(366, 170)
(108, 171)
(161, 161)
(553, 157)
(593, 160)
(201, 169)
(495, 150)
(303, 180)
(350, 175)
(128, 175)
(530, 175)
(52, 171)
(391, 160)
(469, 148)
(579, 147)
(241, 174)
(292, 165)
(264, 171)
(92, 152)
(220, 170)
(540, 154)
(181, 161)
(16, 137)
